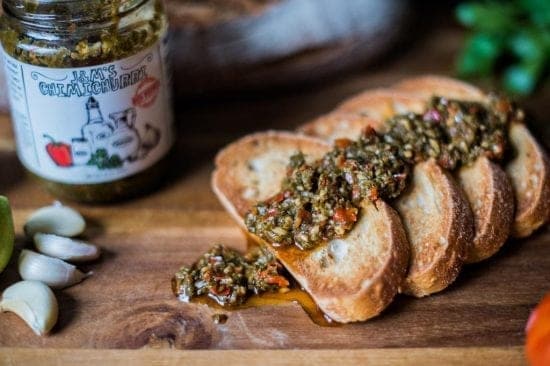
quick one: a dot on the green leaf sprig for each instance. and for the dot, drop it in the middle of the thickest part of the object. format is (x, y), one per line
(513, 33)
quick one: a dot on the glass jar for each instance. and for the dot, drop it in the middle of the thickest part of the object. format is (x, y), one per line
(89, 94)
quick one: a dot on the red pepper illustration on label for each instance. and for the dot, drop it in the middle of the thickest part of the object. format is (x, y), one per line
(60, 152)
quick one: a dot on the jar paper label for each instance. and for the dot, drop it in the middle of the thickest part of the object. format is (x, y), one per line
(92, 124)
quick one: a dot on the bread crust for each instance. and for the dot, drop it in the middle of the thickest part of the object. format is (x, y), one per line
(491, 199)
(335, 125)
(439, 225)
(426, 86)
(381, 104)
(351, 279)
(529, 173)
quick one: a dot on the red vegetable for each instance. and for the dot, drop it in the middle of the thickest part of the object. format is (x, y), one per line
(342, 143)
(373, 194)
(278, 198)
(59, 152)
(537, 345)
(220, 291)
(279, 281)
(273, 279)
(345, 216)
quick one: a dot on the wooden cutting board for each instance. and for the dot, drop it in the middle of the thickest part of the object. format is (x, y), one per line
(127, 304)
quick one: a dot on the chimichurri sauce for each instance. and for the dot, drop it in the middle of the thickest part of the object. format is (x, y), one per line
(228, 277)
(320, 201)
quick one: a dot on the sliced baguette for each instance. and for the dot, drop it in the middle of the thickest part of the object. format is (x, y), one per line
(529, 172)
(350, 279)
(336, 125)
(354, 278)
(486, 186)
(426, 86)
(531, 198)
(439, 226)
(252, 168)
(489, 193)
(381, 104)
(435, 214)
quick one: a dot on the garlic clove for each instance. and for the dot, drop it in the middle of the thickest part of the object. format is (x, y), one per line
(65, 248)
(33, 302)
(55, 219)
(52, 271)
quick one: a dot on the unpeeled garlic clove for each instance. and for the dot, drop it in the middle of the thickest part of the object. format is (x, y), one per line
(33, 302)
(65, 248)
(52, 271)
(56, 219)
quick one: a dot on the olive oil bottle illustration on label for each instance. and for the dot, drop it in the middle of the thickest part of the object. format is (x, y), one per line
(104, 144)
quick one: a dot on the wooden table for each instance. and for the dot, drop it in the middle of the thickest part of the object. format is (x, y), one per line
(127, 304)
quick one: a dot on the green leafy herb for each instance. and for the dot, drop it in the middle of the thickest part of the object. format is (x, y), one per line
(510, 37)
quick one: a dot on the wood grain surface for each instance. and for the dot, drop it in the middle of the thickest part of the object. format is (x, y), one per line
(381, 357)
(127, 303)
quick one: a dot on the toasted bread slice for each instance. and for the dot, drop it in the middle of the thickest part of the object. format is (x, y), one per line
(354, 278)
(426, 86)
(350, 279)
(531, 198)
(529, 173)
(338, 125)
(439, 225)
(434, 212)
(252, 168)
(381, 104)
(491, 199)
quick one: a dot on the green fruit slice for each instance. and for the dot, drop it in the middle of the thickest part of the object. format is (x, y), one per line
(7, 234)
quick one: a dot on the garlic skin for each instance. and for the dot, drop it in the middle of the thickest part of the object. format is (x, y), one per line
(33, 302)
(65, 248)
(52, 271)
(55, 219)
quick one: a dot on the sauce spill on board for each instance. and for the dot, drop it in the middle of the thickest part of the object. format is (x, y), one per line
(294, 295)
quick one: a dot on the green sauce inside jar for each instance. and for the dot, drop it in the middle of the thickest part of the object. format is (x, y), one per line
(90, 94)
